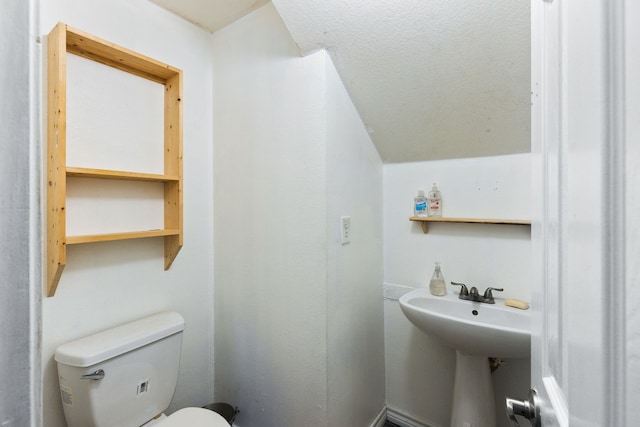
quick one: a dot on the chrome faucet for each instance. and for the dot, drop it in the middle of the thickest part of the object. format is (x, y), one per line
(464, 292)
(473, 295)
(488, 295)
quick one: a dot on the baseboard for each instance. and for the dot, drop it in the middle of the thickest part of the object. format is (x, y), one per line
(403, 420)
(395, 417)
(380, 418)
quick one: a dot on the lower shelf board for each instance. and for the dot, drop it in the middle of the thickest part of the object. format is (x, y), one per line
(92, 238)
(122, 175)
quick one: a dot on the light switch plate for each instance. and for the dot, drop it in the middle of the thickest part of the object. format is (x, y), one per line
(345, 230)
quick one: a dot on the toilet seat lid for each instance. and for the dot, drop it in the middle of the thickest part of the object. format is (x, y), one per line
(194, 417)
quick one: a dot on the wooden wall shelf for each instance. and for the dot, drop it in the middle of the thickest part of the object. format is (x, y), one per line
(424, 221)
(62, 40)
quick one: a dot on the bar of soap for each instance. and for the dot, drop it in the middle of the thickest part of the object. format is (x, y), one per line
(516, 303)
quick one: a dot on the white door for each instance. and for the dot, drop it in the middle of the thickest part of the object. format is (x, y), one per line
(585, 139)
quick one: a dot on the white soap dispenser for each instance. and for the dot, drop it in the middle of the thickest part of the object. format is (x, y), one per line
(437, 285)
(434, 202)
(420, 204)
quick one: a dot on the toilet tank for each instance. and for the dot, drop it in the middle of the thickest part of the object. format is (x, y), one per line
(130, 372)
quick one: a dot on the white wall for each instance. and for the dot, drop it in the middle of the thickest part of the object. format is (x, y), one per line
(106, 284)
(355, 312)
(19, 382)
(269, 225)
(632, 228)
(419, 371)
(294, 311)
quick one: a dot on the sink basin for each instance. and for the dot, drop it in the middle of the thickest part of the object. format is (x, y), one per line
(491, 330)
(476, 331)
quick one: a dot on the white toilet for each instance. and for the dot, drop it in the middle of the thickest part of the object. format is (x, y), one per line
(126, 376)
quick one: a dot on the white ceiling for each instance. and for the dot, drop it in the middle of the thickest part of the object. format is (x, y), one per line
(210, 14)
(432, 79)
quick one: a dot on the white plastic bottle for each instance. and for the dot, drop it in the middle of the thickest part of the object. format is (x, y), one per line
(434, 202)
(420, 204)
(437, 285)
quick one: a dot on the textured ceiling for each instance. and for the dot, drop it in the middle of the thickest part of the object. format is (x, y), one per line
(432, 79)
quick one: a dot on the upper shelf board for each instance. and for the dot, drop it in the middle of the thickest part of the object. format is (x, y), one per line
(99, 50)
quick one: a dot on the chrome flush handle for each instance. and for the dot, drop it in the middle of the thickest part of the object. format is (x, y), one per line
(97, 375)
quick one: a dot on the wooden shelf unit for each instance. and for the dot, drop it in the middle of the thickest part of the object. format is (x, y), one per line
(424, 221)
(62, 40)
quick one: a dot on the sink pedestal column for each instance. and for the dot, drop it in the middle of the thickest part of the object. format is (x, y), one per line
(473, 402)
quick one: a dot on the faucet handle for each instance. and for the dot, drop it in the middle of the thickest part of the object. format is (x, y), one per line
(464, 291)
(488, 295)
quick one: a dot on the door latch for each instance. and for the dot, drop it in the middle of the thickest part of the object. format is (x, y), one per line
(529, 409)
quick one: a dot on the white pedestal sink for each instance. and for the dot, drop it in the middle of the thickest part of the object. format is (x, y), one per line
(476, 331)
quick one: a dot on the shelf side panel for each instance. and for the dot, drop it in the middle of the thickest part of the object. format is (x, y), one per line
(56, 155)
(173, 166)
(172, 246)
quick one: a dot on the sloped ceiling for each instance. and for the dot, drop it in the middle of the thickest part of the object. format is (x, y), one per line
(432, 79)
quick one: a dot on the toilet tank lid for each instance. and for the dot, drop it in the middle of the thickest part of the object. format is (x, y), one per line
(113, 342)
